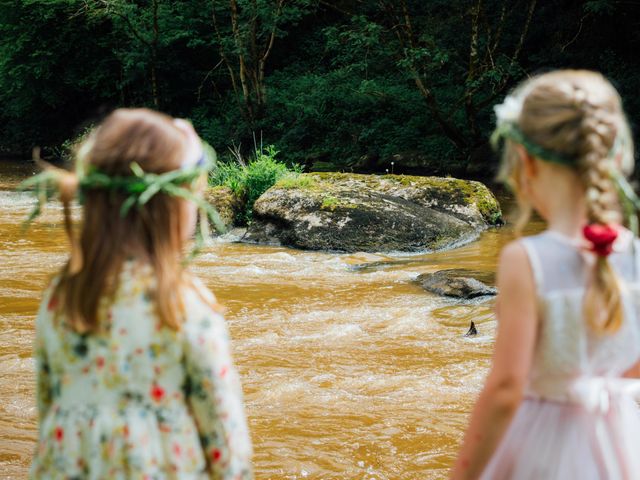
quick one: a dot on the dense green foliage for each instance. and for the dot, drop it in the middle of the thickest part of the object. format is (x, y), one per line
(249, 180)
(335, 84)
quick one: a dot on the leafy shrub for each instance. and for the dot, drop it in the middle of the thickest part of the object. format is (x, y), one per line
(249, 181)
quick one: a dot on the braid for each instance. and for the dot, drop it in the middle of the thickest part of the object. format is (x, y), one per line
(576, 118)
(597, 132)
(596, 166)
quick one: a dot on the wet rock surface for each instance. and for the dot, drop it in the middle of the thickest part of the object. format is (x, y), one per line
(352, 212)
(458, 283)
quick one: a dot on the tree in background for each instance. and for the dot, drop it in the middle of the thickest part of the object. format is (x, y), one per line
(335, 84)
(246, 31)
(458, 74)
(46, 71)
(140, 25)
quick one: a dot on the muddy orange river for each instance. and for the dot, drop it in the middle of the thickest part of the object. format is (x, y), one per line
(350, 370)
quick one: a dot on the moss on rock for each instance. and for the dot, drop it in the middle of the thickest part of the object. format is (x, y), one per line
(228, 205)
(443, 193)
(354, 212)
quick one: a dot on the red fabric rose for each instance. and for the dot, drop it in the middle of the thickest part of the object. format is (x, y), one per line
(601, 238)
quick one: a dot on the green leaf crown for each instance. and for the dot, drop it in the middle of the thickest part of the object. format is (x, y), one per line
(138, 188)
(507, 115)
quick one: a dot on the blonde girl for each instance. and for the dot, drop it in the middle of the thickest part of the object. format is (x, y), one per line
(134, 374)
(554, 405)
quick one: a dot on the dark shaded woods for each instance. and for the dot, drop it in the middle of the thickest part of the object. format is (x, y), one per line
(335, 84)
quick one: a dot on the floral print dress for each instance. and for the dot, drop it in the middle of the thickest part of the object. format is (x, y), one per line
(140, 400)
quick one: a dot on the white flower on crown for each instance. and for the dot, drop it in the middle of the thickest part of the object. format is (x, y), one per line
(509, 110)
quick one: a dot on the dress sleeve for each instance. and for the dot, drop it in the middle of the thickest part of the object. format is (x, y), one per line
(43, 371)
(214, 394)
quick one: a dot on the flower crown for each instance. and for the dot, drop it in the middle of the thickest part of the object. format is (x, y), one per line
(139, 188)
(507, 119)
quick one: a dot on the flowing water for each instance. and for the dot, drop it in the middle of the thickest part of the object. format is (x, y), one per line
(350, 370)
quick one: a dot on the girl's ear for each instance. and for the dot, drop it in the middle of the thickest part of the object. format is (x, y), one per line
(529, 162)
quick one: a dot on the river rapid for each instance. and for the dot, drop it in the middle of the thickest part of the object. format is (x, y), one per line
(350, 370)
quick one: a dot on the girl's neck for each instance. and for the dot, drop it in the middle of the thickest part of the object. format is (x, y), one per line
(568, 223)
(565, 209)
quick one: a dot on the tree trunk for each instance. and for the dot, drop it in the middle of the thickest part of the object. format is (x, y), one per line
(154, 57)
(472, 72)
(242, 65)
(449, 129)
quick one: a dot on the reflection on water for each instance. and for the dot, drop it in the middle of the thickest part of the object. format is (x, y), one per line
(350, 370)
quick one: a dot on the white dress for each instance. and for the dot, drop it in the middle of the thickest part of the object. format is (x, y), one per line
(578, 420)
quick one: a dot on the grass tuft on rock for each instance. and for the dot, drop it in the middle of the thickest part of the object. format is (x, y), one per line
(249, 180)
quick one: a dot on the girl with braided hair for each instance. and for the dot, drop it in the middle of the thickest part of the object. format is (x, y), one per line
(555, 404)
(134, 374)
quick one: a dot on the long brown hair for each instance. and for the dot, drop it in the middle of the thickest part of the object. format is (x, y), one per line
(153, 233)
(578, 114)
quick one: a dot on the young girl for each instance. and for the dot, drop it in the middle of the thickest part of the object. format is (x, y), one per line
(554, 405)
(134, 373)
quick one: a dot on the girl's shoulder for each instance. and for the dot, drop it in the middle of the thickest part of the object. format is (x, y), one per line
(196, 286)
(203, 316)
(625, 243)
(536, 258)
(199, 300)
(562, 263)
(138, 278)
(514, 260)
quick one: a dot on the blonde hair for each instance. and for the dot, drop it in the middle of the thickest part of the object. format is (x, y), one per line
(578, 115)
(153, 232)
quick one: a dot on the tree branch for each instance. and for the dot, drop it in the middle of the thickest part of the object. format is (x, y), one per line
(336, 8)
(223, 55)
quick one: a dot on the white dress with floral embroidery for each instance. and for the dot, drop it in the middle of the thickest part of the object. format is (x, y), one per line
(139, 401)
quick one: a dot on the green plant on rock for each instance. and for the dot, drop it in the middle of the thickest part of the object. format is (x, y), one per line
(249, 180)
(329, 203)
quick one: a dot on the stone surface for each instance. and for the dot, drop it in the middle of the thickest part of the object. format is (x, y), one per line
(370, 213)
(225, 202)
(457, 283)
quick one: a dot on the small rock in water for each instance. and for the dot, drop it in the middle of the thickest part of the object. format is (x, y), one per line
(472, 331)
(455, 283)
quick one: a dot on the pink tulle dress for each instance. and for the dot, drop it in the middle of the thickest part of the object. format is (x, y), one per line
(579, 419)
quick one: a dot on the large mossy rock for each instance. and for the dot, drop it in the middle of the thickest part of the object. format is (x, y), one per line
(352, 212)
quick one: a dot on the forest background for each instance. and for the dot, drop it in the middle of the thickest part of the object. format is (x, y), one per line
(348, 85)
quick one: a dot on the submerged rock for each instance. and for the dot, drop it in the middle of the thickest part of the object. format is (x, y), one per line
(352, 212)
(455, 283)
